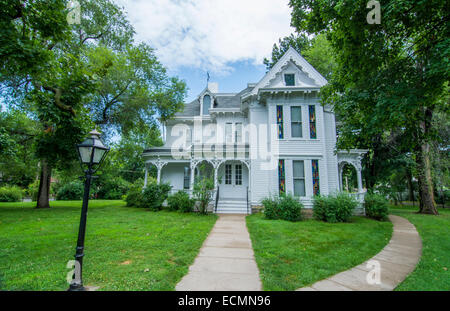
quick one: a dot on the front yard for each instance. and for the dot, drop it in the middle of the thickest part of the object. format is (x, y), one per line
(126, 248)
(432, 272)
(291, 255)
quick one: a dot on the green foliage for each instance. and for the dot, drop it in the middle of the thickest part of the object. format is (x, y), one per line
(181, 201)
(71, 191)
(112, 188)
(18, 164)
(285, 207)
(203, 193)
(376, 206)
(154, 196)
(390, 78)
(32, 190)
(134, 195)
(10, 194)
(317, 51)
(334, 208)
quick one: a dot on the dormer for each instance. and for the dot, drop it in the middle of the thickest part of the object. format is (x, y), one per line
(207, 98)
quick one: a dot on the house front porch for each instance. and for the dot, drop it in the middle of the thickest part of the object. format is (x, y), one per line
(231, 174)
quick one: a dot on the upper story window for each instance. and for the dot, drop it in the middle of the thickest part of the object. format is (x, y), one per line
(289, 79)
(280, 122)
(312, 122)
(206, 104)
(229, 132)
(238, 133)
(296, 121)
(188, 137)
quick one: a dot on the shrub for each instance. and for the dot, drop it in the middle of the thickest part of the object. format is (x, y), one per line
(286, 207)
(10, 194)
(134, 195)
(334, 208)
(113, 188)
(154, 196)
(71, 191)
(181, 201)
(376, 205)
(32, 190)
(203, 193)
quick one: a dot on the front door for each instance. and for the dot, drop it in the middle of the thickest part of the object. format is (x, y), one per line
(234, 181)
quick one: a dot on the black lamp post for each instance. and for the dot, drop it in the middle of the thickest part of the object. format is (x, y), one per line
(91, 152)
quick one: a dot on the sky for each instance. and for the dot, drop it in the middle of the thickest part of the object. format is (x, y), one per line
(227, 38)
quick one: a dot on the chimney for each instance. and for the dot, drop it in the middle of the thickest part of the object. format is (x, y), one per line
(213, 87)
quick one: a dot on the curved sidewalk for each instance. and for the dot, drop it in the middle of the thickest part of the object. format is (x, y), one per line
(398, 259)
(226, 261)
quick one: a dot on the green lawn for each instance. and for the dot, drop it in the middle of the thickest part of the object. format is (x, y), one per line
(432, 272)
(293, 255)
(126, 248)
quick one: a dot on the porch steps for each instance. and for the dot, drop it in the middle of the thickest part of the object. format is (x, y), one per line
(230, 206)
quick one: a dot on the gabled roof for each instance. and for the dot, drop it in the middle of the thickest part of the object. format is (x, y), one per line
(233, 100)
(290, 56)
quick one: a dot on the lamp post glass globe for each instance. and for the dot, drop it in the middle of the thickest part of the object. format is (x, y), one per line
(92, 151)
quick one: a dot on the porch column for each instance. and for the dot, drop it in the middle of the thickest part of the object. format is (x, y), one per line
(341, 183)
(191, 183)
(158, 176)
(216, 164)
(146, 176)
(159, 165)
(359, 176)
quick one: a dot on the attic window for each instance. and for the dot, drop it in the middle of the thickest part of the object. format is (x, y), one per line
(206, 104)
(289, 79)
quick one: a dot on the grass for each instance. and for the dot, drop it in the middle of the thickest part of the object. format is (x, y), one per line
(126, 248)
(432, 272)
(291, 255)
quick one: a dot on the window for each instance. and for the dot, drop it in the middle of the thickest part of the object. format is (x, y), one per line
(188, 137)
(289, 79)
(187, 177)
(228, 174)
(238, 174)
(299, 178)
(315, 177)
(206, 104)
(280, 122)
(238, 133)
(312, 122)
(296, 122)
(281, 177)
(228, 132)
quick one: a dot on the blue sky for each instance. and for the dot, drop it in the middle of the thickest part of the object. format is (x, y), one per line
(243, 72)
(227, 38)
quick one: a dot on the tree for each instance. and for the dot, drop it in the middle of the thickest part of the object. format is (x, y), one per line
(18, 163)
(63, 95)
(134, 90)
(317, 51)
(389, 76)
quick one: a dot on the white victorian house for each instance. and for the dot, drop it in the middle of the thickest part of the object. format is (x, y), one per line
(272, 137)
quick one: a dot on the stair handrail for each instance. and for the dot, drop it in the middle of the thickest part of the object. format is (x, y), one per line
(217, 199)
(247, 201)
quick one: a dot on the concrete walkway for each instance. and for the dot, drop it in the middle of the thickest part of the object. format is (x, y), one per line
(226, 261)
(396, 261)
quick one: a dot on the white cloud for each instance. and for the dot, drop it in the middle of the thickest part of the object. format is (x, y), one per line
(209, 34)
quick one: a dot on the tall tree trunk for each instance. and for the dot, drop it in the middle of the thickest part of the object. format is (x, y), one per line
(43, 200)
(426, 193)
